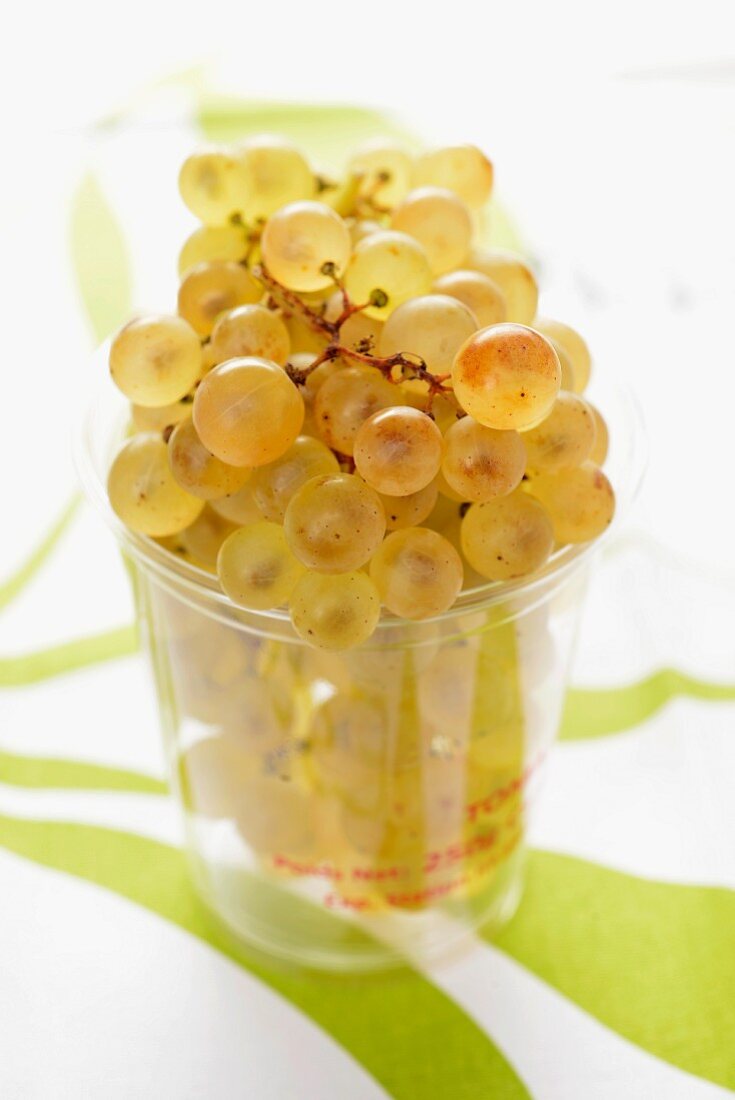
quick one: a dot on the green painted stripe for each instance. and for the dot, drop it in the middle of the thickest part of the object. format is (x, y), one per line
(597, 712)
(68, 657)
(654, 961)
(415, 1041)
(40, 772)
(100, 259)
(14, 585)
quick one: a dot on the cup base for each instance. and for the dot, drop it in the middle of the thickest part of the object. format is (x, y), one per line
(287, 925)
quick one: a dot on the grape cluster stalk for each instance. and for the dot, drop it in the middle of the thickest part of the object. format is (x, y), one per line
(355, 410)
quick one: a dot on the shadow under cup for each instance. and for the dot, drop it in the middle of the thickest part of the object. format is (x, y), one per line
(350, 810)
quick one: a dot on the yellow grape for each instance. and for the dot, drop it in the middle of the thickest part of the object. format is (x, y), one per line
(301, 240)
(278, 174)
(567, 367)
(151, 418)
(463, 169)
(256, 567)
(573, 344)
(363, 227)
(201, 540)
(304, 338)
(564, 438)
(417, 572)
(247, 411)
(214, 185)
(239, 507)
(387, 268)
(478, 292)
(213, 242)
(398, 450)
(334, 523)
(276, 483)
(359, 331)
(446, 490)
(581, 501)
(143, 492)
(440, 221)
(345, 401)
(507, 537)
(507, 376)
(155, 360)
(481, 463)
(602, 439)
(250, 330)
(410, 510)
(387, 172)
(210, 289)
(335, 612)
(432, 327)
(514, 277)
(198, 471)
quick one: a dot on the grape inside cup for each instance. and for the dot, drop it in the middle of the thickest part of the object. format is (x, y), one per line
(358, 482)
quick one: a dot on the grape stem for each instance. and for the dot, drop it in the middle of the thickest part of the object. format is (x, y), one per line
(411, 366)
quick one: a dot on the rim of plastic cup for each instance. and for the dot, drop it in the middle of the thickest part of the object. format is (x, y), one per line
(626, 427)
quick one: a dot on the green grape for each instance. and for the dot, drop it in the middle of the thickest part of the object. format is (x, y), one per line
(216, 772)
(514, 277)
(478, 292)
(213, 242)
(440, 221)
(598, 453)
(463, 169)
(214, 185)
(433, 327)
(398, 451)
(239, 507)
(387, 268)
(581, 501)
(335, 612)
(345, 401)
(481, 463)
(210, 289)
(250, 330)
(151, 418)
(278, 174)
(143, 492)
(417, 572)
(334, 523)
(507, 376)
(349, 742)
(359, 331)
(256, 567)
(201, 540)
(305, 244)
(247, 411)
(276, 483)
(572, 343)
(155, 360)
(507, 537)
(387, 172)
(564, 438)
(410, 510)
(198, 471)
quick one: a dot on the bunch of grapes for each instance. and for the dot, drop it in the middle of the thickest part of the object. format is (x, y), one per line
(355, 407)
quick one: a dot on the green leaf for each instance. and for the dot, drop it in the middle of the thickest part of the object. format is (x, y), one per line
(601, 711)
(403, 1030)
(68, 656)
(14, 585)
(100, 259)
(653, 961)
(41, 772)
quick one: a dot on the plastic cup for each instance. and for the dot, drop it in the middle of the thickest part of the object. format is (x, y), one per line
(349, 810)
